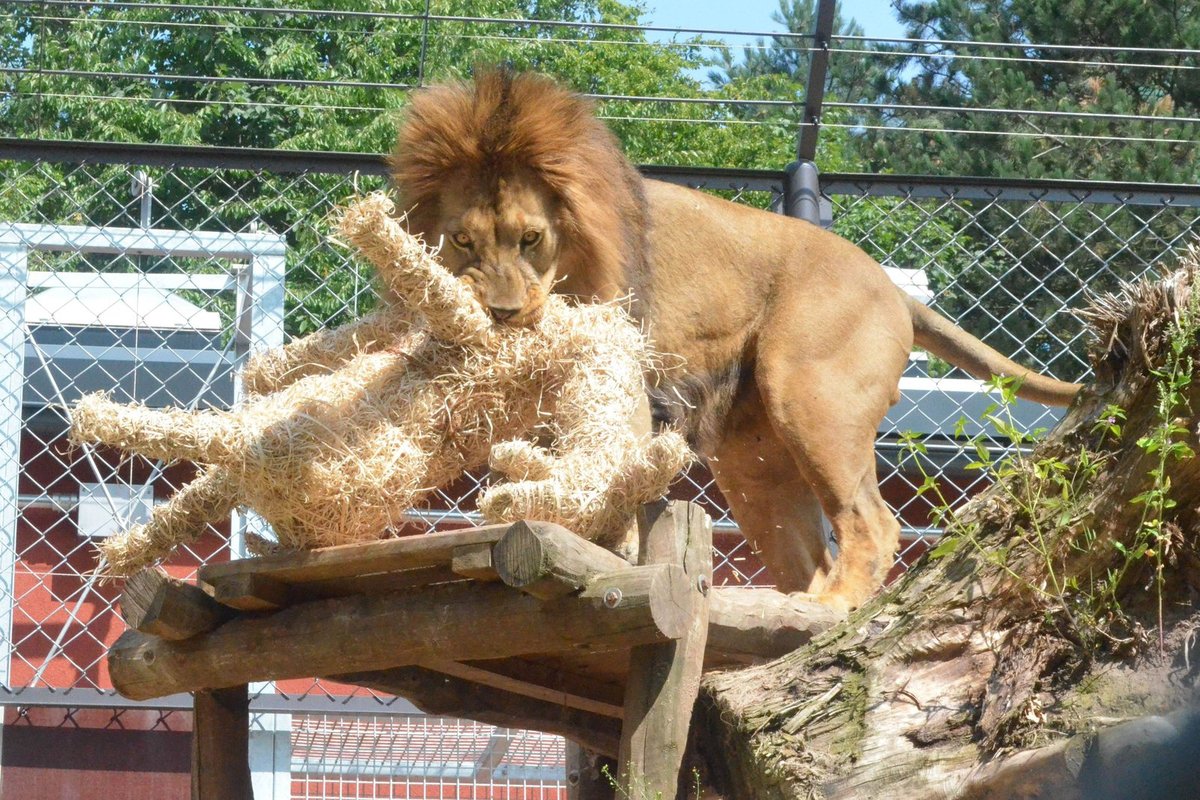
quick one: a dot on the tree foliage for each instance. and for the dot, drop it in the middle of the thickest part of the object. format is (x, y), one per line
(1142, 78)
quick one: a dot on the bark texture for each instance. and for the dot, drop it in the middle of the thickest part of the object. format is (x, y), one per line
(1050, 652)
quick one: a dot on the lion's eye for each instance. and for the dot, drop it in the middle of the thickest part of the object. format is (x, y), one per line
(531, 238)
(461, 240)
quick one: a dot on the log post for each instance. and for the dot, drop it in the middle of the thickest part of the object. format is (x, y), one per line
(221, 745)
(664, 679)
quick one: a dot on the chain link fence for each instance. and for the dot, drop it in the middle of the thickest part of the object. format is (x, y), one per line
(151, 274)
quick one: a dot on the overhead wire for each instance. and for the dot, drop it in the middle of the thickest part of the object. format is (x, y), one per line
(346, 13)
(1017, 59)
(894, 111)
(664, 99)
(349, 14)
(1087, 48)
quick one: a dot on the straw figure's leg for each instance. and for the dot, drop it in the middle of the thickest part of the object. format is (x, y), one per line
(569, 490)
(324, 351)
(209, 498)
(601, 471)
(171, 434)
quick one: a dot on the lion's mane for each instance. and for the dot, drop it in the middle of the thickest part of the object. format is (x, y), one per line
(502, 123)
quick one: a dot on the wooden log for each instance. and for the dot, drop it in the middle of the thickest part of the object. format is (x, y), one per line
(549, 561)
(755, 624)
(155, 603)
(445, 695)
(664, 678)
(375, 583)
(347, 561)
(221, 745)
(456, 622)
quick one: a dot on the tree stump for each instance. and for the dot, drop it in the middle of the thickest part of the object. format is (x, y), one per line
(1047, 647)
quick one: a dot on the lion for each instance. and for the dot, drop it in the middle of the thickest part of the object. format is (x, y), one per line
(791, 340)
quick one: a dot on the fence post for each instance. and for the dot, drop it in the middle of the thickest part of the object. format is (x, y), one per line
(802, 192)
(13, 281)
(802, 186)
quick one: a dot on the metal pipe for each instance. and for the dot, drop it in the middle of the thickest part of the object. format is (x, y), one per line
(818, 70)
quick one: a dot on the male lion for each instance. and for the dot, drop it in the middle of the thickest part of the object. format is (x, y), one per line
(792, 340)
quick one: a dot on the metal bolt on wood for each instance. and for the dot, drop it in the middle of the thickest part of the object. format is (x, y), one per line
(612, 598)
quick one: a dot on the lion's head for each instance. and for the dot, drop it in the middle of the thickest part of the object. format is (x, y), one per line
(525, 190)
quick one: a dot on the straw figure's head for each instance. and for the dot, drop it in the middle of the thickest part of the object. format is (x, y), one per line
(344, 431)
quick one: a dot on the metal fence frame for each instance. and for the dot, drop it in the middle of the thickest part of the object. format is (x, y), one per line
(774, 183)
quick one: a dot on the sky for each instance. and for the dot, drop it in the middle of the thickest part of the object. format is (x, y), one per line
(876, 16)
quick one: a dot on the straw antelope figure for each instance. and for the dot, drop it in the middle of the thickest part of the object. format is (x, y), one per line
(346, 429)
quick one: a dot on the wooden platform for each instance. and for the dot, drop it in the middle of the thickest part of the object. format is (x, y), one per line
(522, 625)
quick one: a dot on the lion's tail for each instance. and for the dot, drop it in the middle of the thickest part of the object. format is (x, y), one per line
(944, 339)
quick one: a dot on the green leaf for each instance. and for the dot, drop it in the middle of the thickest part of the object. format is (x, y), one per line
(947, 546)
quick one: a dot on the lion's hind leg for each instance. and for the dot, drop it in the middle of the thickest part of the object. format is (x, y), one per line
(829, 415)
(773, 505)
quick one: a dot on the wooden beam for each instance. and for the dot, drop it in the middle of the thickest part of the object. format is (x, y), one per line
(155, 603)
(548, 561)
(445, 695)
(221, 745)
(560, 673)
(479, 673)
(375, 583)
(456, 622)
(755, 624)
(664, 678)
(345, 561)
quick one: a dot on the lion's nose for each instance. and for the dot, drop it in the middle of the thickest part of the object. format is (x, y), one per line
(503, 314)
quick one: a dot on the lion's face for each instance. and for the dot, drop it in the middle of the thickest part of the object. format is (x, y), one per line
(503, 238)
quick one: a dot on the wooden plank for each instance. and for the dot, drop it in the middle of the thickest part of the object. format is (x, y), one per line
(664, 679)
(474, 561)
(548, 561)
(249, 591)
(155, 603)
(221, 745)
(461, 621)
(445, 695)
(559, 672)
(479, 673)
(344, 561)
(377, 583)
